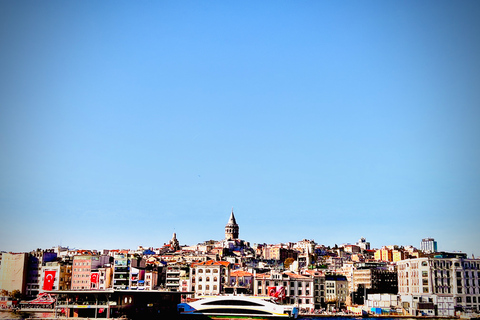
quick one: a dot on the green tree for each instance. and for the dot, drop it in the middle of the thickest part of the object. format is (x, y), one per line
(15, 294)
(288, 262)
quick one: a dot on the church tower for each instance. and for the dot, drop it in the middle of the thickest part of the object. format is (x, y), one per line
(231, 229)
(175, 245)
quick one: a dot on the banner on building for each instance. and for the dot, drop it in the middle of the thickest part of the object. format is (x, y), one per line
(94, 278)
(49, 280)
(277, 292)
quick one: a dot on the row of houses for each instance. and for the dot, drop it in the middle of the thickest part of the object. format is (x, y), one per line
(400, 279)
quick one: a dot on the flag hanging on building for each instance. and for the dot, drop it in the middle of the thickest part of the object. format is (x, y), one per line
(94, 279)
(49, 280)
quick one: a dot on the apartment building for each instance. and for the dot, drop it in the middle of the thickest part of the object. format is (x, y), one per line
(13, 272)
(85, 271)
(336, 291)
(287, 287)
(451, 282)
(209, 277)
(121, 271)
(56, 275)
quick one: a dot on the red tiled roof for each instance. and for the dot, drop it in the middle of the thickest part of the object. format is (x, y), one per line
(241, 273)
(262, 275)
(211, 263)
(295, 276)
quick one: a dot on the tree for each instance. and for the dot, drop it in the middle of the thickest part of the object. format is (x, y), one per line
(288, 262)
(15, 294)
(4, 293)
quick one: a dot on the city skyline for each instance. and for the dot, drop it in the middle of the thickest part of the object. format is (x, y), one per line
(122, 123)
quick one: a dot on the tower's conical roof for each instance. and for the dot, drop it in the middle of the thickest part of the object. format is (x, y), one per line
(232, 219)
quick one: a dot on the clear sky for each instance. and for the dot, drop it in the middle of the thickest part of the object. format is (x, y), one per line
(122, 122)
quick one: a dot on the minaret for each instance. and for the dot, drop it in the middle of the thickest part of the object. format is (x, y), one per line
(231, 229)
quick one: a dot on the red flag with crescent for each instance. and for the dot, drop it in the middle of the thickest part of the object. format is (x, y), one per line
(94, 277)
(49, 280)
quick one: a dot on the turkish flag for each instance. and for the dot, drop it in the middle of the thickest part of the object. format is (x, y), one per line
(49, 280)
(94, 277)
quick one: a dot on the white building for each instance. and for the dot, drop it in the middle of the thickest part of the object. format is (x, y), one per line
(428, 245)
(209, 277)
(451, 283)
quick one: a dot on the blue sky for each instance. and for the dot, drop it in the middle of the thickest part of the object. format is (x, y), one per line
(122, 122)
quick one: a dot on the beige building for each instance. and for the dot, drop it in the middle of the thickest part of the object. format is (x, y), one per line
(62, 275)
(209, 277)
(452, 283)
(13, 272)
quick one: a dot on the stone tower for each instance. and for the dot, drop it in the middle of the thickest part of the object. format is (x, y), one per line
(231, 229)
(175, 245)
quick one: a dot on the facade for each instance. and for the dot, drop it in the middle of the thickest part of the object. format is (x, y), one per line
(121, 271)
(104, 278)
(336, 291)
(452, 284)
(13, 272)
(240, 282)
(288, 287)
(384, 254)
(173, 278)
(363, 244)
(428, 245)
(209, 277)
(55, 275)
(278, 253)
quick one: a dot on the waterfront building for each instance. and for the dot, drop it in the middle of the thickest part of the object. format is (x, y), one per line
(104, 277)
(451, 283)
(318, 287)
(121, 271)
(173, 277)
(370, 278)
(56, 275)
(240, 282)
(13, 272)
(287, 287)
(37, 259)
(85, 271)
(209, 277)
(336, 291)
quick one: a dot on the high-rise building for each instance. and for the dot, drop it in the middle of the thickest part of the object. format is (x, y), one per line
(13, 273)
(428, 245)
